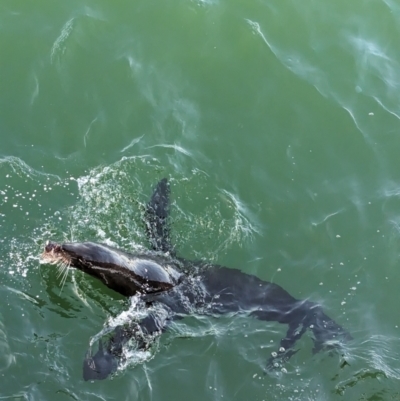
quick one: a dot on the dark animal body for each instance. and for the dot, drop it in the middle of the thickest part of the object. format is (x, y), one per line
(169, 293)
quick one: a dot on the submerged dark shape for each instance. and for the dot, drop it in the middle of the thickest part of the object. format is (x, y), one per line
(170, 294)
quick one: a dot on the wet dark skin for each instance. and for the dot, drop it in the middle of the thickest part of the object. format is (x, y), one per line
(171, 294)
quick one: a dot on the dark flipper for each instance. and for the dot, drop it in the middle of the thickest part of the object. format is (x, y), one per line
(100, 365)
(286, 351)
(327, 334)
(107, 358)
(156, 218)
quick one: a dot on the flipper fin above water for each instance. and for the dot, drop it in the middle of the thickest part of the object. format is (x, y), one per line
(105, 361)
(156, 218)
(100, 365)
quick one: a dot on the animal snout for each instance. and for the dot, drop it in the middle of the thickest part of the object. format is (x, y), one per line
(52, 247)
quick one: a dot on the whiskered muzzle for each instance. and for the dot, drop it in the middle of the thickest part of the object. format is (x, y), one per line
(53, 254)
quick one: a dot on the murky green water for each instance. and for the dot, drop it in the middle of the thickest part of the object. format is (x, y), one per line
(277, 123)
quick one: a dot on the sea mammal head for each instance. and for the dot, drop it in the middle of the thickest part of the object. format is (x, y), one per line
(118, 270)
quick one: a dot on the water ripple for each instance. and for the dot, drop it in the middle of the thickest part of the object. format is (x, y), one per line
(59, 45)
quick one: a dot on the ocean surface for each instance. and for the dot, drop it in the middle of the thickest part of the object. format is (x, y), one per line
(277, 123)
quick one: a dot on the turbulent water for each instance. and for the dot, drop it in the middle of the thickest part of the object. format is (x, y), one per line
(278, 126)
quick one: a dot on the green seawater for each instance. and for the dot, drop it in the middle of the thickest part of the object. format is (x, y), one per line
(278, 126)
